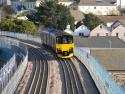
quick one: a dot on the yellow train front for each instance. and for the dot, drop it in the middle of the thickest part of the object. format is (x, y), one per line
(62, 43)
(64, 46)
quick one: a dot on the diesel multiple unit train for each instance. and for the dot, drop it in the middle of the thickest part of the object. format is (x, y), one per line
(61, 42)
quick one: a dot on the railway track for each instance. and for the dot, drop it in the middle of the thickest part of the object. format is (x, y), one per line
(72, 81)
(38, 78)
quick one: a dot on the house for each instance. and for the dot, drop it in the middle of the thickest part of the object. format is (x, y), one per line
(116, 23)
(81, 31)
(27, 5)
(5, 2)
(78, 15)
(100, 30)
(68, 30)
(109, 20)
(98, 7)
(120, 3)
(31, 4)
(119, 31)
(66, 2)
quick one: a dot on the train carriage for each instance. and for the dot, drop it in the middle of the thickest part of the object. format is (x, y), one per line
(61, 42)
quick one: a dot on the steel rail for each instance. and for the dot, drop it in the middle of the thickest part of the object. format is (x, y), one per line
(37, 82)
(80, 88)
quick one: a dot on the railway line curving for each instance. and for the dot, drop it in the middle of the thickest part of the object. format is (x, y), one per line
(72, 81)
(38, 79)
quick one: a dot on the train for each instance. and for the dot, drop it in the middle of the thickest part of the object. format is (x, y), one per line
(61, 42)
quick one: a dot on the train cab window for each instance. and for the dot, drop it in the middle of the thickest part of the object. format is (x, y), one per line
(67, 39)
(64, 40)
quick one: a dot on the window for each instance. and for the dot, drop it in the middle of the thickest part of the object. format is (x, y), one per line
(97, 34)
(94, 7)
(116, 34)
(106, 34)
(64, 39)
(81, 34)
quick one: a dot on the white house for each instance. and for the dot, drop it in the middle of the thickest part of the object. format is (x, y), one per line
(100, 7)
(81, 31)
(119, 31)
(120, 3)
(29, 5)
(66, 2)
(68, 30)
(100, 30)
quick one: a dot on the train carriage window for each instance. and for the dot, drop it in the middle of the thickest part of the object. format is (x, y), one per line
(58, 40)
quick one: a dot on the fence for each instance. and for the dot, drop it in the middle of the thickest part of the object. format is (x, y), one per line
(6, 72)
(11, 74)
(103, 81)
(21, 36)
(13, 83)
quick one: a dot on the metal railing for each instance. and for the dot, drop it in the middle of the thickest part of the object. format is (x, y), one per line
(13, 83)
(34, 38)
(11, 73)
(102, 79)
(6, 72)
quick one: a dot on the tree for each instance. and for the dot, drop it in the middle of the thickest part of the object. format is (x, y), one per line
(52, 15)
(16, 25)
(91, 21)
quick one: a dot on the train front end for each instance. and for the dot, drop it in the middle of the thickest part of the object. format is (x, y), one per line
(64, 46)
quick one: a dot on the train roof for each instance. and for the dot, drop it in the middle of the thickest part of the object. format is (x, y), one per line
(55, 32)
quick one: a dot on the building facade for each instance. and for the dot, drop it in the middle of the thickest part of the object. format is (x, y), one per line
(119, 32)
(98, 7)
(121, 3)
(100, 30)
(5, 2)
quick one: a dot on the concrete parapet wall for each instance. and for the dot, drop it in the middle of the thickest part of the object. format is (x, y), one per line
(13, 83)
(103, 81)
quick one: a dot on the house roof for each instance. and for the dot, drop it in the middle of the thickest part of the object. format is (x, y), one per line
(119, 28)
(117, 23)
(78, 16)
(65, 1)
(42, 0)
(107, 19)
(25, 0)
(82, 28)
(96, 3)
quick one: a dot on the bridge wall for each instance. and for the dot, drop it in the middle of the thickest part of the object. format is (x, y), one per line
(103, 81)
(11, 74)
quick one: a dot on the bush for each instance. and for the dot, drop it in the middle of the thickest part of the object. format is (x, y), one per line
(16, 25)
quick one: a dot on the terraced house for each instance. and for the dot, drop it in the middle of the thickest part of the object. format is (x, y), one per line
(98, 7)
